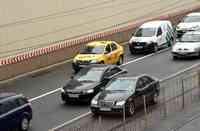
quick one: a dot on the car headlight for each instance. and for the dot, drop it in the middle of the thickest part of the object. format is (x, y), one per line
(74, 60)
(195, 27)
(94, 61)
(62, 90)
(120, 103)
(89, 91)
(94, 102)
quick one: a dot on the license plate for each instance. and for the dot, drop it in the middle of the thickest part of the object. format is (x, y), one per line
(138, 47)
(105, 109)
(73, 95)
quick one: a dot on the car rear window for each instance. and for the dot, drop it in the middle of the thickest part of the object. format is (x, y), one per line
(188, 19)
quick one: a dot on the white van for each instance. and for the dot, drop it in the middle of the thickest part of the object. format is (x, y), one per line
(151, 36)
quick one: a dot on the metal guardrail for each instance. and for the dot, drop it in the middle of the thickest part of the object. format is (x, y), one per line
(177, 92)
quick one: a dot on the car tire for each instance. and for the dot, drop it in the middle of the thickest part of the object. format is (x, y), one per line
(95, 113)
(24, 124)
(102, 62)
(171, 42)
(131, 50)
(155, 48)
(120, 61)
(155, 98)
(130, 109)
(174, 57)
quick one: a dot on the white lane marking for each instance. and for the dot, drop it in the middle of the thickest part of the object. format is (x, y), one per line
(146, 56)
(129, 62)
(70, 121)
(43, 95)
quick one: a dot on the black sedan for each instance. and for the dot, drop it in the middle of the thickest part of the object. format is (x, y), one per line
(84, 85)
(126, 93)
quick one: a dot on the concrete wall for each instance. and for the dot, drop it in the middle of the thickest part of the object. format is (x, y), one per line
(63, 50)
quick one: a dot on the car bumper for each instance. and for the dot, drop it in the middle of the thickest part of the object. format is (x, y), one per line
(111, 110)
(141, 49)
(77, 97)
(185, 54)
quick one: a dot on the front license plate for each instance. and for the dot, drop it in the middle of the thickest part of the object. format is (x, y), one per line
(105, 109)
(138, 47)
(73, 95)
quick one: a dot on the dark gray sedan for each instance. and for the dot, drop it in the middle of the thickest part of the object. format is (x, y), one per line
(125, 93)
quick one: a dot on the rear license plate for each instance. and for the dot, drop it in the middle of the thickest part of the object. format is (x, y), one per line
(105, 109)
(73, 95)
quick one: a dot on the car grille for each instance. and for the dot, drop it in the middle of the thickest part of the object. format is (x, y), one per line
(106, 103)
(84, 62)
(74, 91)
(139, 43)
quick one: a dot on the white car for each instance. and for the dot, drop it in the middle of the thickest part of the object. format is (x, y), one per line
(190, 22)
(151, 36)
(187, 46)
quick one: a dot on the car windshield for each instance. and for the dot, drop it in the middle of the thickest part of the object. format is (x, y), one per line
(190, 38)
(99, 49)
(122, 84)
(145, 32)
(188, 19)
(93, 75)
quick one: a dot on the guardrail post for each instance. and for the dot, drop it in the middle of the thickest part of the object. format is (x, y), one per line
(100, 122)
(199, 82)
(183, 93)
(145, 111)
(124, 117)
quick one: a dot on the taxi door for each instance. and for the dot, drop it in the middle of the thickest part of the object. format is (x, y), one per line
(115, 53)
(108, 55)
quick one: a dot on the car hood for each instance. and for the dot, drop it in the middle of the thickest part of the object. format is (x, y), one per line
(114, 95)
(88, 56)
(188, 26)
(74, 84)
(186, 45)
(143, 39)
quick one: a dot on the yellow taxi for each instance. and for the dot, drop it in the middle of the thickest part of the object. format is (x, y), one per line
(99, 52)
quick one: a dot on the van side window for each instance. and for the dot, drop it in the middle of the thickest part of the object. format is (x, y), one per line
(159, 31)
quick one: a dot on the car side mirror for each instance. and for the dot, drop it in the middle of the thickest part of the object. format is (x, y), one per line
(72, 77)
(124, 71)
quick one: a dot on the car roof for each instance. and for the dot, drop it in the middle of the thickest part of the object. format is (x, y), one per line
(194, 14)
(94, 43)
(129, 76)
(154, 24)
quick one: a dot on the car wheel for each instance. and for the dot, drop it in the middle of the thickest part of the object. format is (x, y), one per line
(175, 57)
(131, 50)
(24, 124)
(155, 48)
(155, 98)
(130, 110)
(102, 62)
(95, 113)
(120, 61)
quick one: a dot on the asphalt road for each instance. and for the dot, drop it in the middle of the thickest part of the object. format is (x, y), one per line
(49, 110)
(27, 25)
